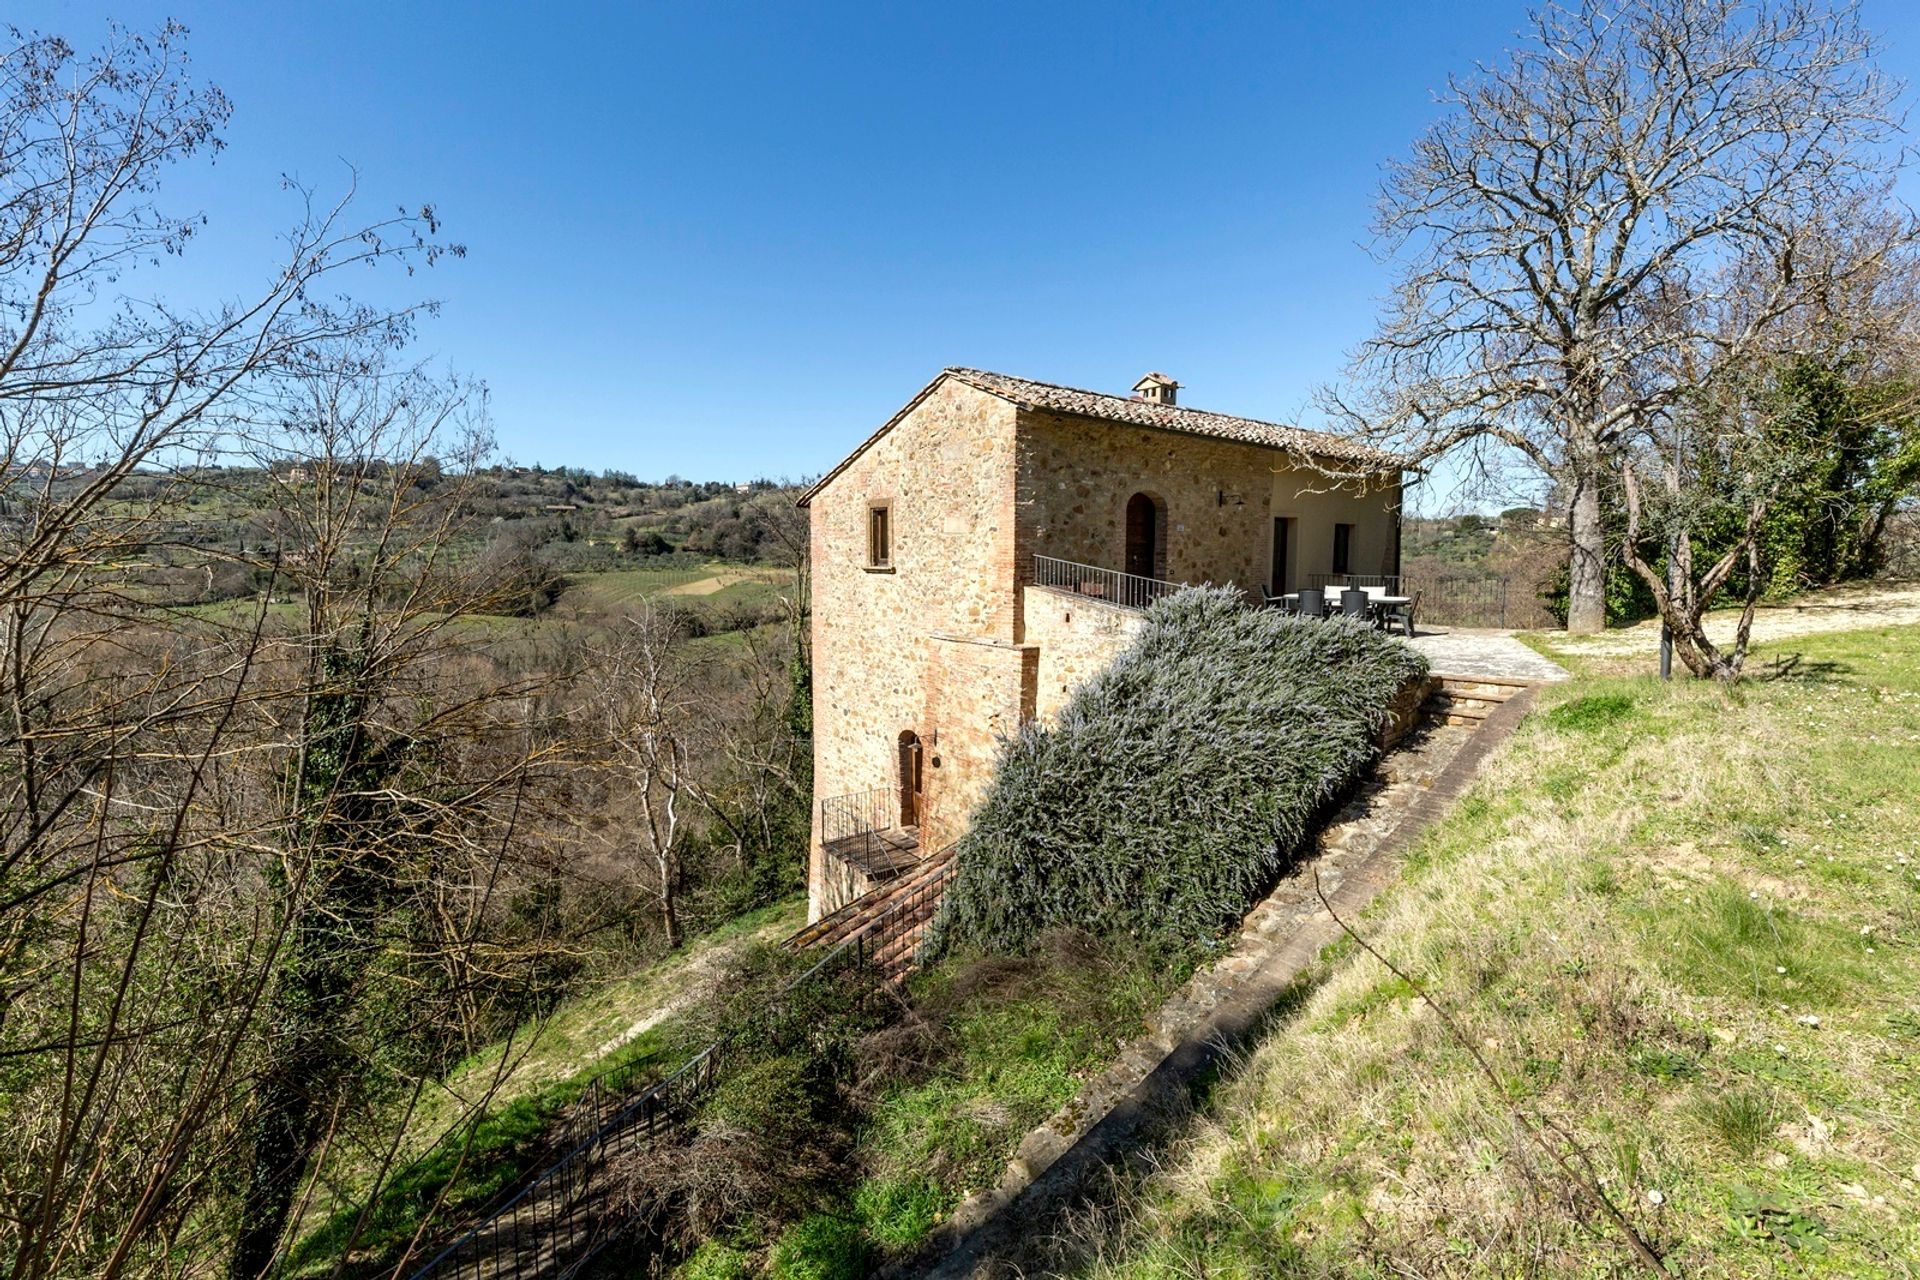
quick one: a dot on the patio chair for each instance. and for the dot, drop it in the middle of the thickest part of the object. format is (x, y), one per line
(1275, 602)
(1313, 602)
(1402, 614)
(1354, 603)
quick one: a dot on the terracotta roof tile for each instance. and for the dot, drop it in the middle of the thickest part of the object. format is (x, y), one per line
(1169, 417)
(1100, 406)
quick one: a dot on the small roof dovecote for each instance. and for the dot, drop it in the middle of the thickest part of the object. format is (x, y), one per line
(1157, 388)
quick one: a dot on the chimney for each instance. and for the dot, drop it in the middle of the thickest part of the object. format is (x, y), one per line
(1156, 388)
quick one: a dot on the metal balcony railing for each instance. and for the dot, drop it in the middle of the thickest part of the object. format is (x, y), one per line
(858, 813)
(1128, 590)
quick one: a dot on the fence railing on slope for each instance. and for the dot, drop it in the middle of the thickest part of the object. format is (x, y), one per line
(1456, 601)
(1482, 602)
(1128, 590)
(562, 1218)
(888, 918)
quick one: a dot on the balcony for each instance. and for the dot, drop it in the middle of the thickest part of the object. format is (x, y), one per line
(1127, 590)
(862, 829)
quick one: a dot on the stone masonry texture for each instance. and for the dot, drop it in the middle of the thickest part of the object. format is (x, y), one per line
(951, 643)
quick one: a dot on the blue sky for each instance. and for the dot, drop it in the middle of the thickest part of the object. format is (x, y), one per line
(727, 241)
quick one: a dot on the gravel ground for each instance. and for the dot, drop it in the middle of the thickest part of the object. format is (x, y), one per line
(1841, 609)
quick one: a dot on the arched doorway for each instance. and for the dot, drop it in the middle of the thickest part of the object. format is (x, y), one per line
(911, 779)
(1144, 536)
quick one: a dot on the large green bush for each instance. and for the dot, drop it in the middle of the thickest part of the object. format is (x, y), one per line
(1177, 783)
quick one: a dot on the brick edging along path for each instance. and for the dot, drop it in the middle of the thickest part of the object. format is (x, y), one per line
(1122, 1112)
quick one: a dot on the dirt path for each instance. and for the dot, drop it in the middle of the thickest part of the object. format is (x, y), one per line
(700, 586)
(1841, 609)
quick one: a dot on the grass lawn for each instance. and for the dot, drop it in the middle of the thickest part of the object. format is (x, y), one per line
(532, 1077)
(1678, 921)
(995, 1046)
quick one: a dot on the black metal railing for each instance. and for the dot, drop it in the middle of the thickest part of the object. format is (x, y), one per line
(1128, 590)
(858, 813)
(884, 925)
(1453, 601)
(860, 829)
(568, 1214)
(1482, 602)
(561, 1218)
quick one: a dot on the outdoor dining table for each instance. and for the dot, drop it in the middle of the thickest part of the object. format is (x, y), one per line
(1377, 597)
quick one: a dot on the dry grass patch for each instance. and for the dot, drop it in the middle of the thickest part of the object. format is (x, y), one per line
(1677, 921)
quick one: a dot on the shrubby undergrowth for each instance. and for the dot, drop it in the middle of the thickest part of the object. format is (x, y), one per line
(1177, 783)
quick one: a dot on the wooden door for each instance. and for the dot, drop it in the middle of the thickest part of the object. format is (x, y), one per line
(911, 779)
(1143, 536)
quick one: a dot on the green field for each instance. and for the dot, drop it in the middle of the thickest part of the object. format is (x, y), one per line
(717, 584)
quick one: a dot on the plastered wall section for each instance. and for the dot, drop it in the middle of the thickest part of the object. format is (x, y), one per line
(1315, 506)
(1076, 639)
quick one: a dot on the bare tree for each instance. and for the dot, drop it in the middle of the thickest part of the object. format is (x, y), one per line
(387, 789)
(224, 837)
(1710, 469)
(648, 696)
(1577, 233)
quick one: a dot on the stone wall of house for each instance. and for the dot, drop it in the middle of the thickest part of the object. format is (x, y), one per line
(950, 643)
(978, 692)
(1077, 638)
(947, 470)
(1076, 476)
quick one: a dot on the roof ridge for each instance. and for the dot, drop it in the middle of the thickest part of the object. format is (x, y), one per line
(1055, 397)
(961, 373)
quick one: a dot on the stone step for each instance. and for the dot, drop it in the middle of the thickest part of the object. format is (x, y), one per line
(1499, 688)
(1482, 693)
(1441, 710)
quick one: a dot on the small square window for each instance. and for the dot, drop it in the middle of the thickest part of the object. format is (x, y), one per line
(880, 535)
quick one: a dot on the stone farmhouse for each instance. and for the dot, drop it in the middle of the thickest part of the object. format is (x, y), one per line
(995, 542)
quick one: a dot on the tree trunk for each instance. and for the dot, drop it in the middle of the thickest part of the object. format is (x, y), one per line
(1587, 552)
(670, 903)
(288, 1113)
(281, 1140)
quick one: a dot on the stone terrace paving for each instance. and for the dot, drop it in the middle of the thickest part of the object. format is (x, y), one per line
(1464, 652)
